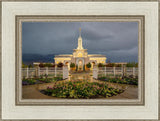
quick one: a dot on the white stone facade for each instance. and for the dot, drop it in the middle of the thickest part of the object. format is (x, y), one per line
(80, 57)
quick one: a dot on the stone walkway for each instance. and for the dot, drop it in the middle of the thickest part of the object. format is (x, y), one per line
(32, 92)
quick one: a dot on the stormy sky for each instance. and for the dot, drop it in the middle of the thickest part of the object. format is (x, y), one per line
(117, 40)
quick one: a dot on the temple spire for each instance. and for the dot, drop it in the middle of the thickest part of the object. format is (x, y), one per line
(79, 32)
(80, 40)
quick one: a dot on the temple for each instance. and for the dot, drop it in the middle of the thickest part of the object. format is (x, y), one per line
(80, 57)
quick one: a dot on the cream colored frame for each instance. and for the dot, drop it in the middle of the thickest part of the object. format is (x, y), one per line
(139, 19)
(88, 112)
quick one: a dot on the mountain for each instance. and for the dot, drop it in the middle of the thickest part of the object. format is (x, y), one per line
(30, 58)
(126, 58)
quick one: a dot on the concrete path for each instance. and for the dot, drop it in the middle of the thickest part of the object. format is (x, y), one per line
(32, 92)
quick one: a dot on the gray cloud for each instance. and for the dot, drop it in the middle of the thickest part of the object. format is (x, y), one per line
(110, 38)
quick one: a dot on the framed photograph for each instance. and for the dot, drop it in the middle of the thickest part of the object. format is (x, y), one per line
(80, 60)
(109, 81)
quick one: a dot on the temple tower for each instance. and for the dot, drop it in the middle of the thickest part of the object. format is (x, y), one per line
(80, 46)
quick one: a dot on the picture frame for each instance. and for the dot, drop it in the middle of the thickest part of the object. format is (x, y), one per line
(144, 104)
(20, 19)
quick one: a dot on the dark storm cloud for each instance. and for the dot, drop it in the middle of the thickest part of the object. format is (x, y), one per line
(110, 38)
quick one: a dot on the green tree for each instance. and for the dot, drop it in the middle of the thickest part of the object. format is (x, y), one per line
(72, 65)
(83, 67)
(110, 65)
(30, 66)
(132, 64)
(60, 65)
(76, 67)
(118, 65)
(54, 65)
(48, 65)
(100, 65)
(24, 66)
(41, 65)
(88, 65)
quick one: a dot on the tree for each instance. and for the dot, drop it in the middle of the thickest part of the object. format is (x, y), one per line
(88, 65)
(132, 64)
(48, 65)
(118, 65)
(100, 65)
(76, 67)
(41, 65)
(54, 65)
(83, 67)
(24, 66)
(110, 65)
(60, 65)
(72, 65)
(108, 61)
(30, 66)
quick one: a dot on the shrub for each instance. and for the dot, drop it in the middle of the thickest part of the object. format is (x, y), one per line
(76, 67)
(81, 89)
(100, 65)
(41, 65)
(40, 80)
(118, 65)
(24, 66)
(110, 65)
(60, 65)
(53, 65)
(28, 81)
(132, 64)
(83, 67)
(30, 66)
(88, 65)
(48, 65)
(72, 65)
(124, 80)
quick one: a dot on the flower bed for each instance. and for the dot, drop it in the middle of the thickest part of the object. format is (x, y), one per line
(40, 80)
(125, 80)
(81, 89)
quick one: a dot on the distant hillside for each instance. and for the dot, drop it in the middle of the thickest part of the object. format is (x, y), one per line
(30, 58)
(128, 58)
